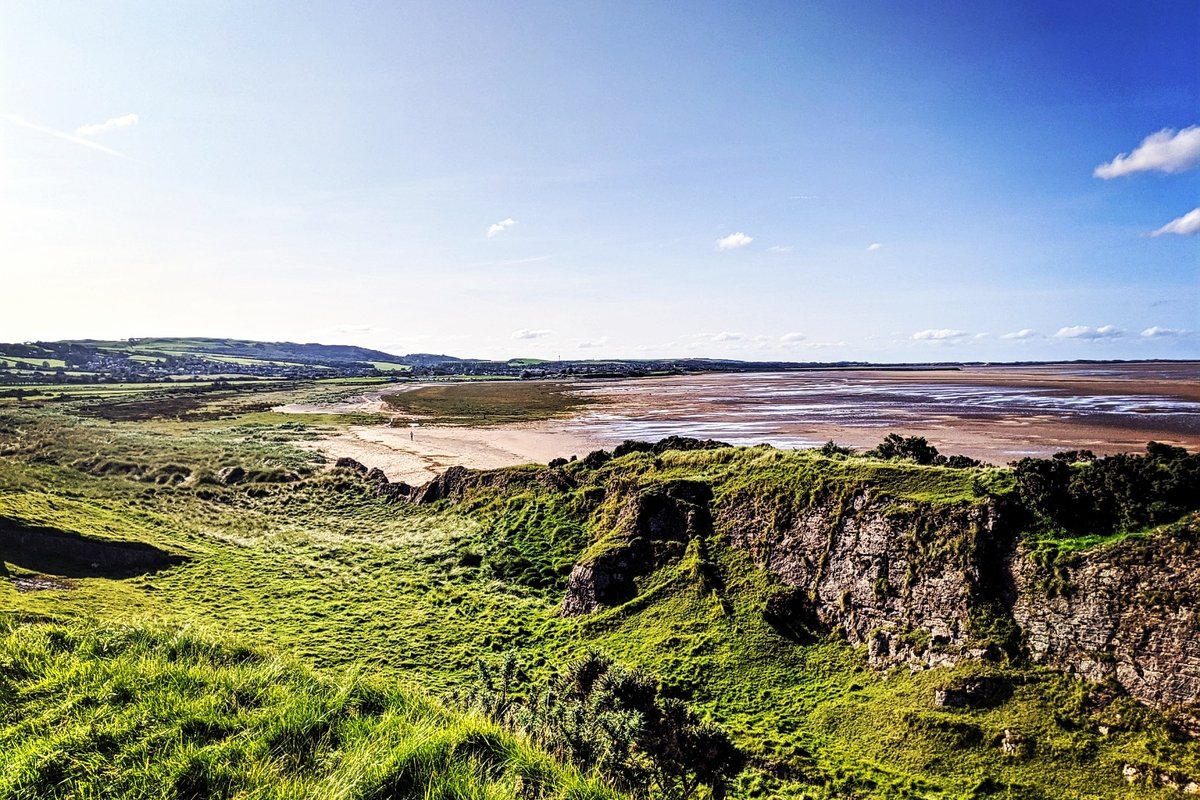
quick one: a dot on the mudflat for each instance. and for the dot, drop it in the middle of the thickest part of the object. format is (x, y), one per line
(996, 414)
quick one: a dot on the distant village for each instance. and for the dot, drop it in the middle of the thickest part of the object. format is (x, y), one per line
(40, 363)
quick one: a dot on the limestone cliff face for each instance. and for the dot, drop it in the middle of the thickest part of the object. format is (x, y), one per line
(917, 584)
(652, 528)
(905, 581)
(1129, 611)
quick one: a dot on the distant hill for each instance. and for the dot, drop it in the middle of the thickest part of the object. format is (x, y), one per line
(308, 353)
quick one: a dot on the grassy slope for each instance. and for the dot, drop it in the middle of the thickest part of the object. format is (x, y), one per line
(132, 713)
(327, 571)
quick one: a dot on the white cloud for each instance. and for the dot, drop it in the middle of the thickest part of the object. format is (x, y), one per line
(873, 246)
(1155, 332)
(526, 333)
(500, 227)
(734, 241)
(791, 338)
(33, 126)
(111, 124)
(1187, 225)
(1088, 332)
(939, 335)
(727, 336)
(780, 248)
(603, 340)
(1166, 151)
(1024, 333)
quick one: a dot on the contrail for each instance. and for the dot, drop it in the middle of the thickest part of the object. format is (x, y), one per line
(64, 135)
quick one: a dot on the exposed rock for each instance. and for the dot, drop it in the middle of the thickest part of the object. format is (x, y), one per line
(228, 476)
(455, 482)
(1130, 611)
(450, 484)
(903, 582)
(652, 529)
(1014, 744)
(395, 491)
(980, 691)
(350, 463)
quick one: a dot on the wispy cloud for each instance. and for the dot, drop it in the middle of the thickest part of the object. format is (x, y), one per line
(940, 335)
(792, 338)
(1024, 333)
(734, 241)
(68, 137)
(1088, 332)
(590, 345)
(1187, 225)
(1155, 332)
(728, 336)
(1166, 151)
(497, 228)
(780, 248)
(510, 262)
(526, 333)
(873, 246)
(111, 124)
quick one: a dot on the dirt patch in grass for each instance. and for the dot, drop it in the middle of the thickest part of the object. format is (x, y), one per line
(40, 583)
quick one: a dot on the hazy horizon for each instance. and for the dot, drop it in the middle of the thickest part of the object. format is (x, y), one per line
(831, 182)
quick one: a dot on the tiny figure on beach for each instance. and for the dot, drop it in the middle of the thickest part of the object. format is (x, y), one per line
(410, 436)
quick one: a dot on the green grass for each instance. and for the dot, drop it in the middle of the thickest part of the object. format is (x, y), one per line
(36, 361)
(488, 402)
(137, 713)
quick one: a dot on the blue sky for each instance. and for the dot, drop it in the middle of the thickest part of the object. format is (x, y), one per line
(803, 181)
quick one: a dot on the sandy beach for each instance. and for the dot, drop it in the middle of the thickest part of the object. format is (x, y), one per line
(993, 414)
(432, 449)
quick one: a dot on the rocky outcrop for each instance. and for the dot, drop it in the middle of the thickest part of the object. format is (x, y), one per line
(920, 584)
(906, 581)
(456, 482)
(1129, 612)
(228, 476)
(652, 528)
(351, 464)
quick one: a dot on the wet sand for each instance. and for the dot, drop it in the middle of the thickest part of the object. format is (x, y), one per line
(996, 414)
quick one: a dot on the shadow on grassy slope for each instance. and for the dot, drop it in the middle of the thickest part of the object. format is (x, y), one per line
(70, 555)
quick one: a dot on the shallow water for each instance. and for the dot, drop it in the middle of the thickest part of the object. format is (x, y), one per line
(803, 409)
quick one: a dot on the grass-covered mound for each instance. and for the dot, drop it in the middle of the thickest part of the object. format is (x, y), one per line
(122, 712)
